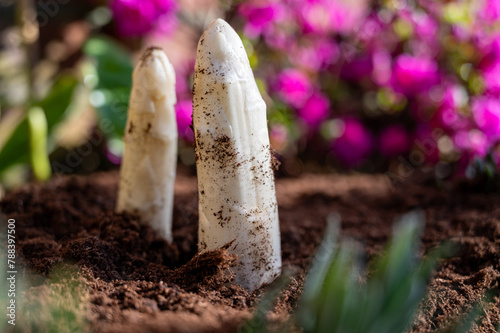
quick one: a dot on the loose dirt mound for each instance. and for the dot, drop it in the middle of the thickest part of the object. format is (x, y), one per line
(135, 281)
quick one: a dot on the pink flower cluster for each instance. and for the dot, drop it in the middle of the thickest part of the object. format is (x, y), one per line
(404, 78)
(139, 17)
(295, 89)
(391, 73)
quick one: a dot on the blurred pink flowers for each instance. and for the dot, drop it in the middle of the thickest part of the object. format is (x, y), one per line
(491, 10)
(184, 116)
(491, 76)
(293, 87)
(139, 17)
(315, 110)
(447, 115)
(426, 65)
(413, 75)
(325, 16)
(354, 143)
(426, 27)
(473, 142)
(260, 15)
(316, 54)
(486, 112)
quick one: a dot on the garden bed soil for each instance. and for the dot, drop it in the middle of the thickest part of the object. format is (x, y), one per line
(130, 280)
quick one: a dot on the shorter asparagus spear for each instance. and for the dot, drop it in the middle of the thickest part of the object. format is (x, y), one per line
(149, 161)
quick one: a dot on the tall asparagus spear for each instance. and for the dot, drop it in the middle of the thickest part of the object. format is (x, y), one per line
(237, 199)
(149, 161)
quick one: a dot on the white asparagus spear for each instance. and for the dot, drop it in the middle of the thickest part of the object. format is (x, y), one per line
(150, 157)
(237, 199)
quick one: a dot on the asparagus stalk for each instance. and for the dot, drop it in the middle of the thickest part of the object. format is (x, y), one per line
(150, 157)
(237, 199)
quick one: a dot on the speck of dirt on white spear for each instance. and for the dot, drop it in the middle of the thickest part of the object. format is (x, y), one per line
(148, 168)
(237, 199)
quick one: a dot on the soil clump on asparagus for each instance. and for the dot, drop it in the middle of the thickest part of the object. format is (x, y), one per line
(134, 281)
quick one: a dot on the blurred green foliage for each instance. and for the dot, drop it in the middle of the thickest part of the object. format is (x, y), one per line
(336, 300)
(113, 69)
(16, 149)
(108, 75)
(337, 297)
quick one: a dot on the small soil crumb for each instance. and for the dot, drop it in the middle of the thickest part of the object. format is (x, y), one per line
(131, 280)
(275, 162)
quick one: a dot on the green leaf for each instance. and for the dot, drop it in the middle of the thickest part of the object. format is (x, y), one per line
(16, 149)
(335, 297)
(57, 101)
(113, 111)
(309, 307)
(114, 69)
(113, 64)
(339, 302)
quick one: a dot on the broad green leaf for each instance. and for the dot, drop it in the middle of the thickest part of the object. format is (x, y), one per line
(16, 149)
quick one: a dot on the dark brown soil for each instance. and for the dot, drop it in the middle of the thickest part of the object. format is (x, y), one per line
(135, 282)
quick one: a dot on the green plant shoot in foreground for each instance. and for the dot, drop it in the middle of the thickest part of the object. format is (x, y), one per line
(337, 298)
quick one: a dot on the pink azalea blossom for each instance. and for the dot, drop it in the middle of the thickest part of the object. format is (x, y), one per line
(461, 33)
(450, 119)
(412, 75)
(347, 15)
(491, 75)
(317, 54)
(293, 87)
(490, 48)
(315, 110)
(490, 11)
(326, 16)
(278, 39)
(184, 116)
(139, 17)
(260, 15)
(486, 112)
(354, 144)
(448, 115)
(425, 26)
(382, 70)
(394, 140)
(473, 142)
(370, 29)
